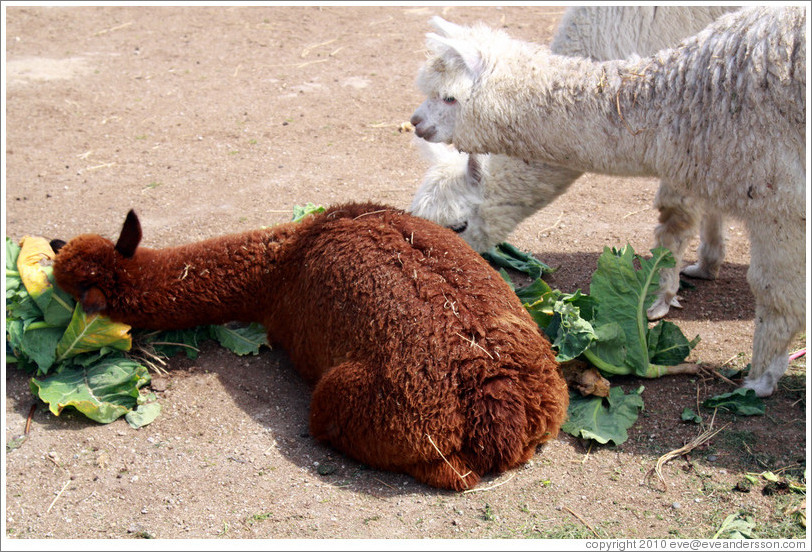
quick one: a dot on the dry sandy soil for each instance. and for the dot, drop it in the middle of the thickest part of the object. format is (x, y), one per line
(211, 120)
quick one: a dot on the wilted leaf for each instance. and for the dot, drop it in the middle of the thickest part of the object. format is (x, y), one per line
(241, 340)
(603, 419)
(143, 415)
(33, 250)
(743, 402)
(103, 392)
(89, 333)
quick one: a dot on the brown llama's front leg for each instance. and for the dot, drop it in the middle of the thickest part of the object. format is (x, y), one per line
(353, 411)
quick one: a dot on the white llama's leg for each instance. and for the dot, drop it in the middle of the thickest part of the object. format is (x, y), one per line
(678, 219)
(711, 248)
(776, 276)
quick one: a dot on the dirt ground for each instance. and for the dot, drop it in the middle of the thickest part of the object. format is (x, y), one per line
(211, 120)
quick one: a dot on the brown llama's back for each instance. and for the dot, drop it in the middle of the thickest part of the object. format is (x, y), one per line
(414, 342)
(423, 359)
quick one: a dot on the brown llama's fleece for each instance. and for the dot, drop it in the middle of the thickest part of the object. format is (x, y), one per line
(423, 359)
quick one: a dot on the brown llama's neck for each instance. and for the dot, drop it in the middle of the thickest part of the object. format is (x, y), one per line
(230, 278)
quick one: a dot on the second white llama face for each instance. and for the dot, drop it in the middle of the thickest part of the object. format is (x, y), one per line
(446, 79)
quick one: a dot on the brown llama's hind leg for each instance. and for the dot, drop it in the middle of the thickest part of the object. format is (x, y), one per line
(352, 411)
(447, 473)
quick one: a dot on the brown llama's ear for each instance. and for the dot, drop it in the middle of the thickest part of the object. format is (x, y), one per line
(56, 245)
(93, 300)
(130, 235)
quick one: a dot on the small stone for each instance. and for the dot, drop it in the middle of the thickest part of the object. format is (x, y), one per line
(712, 458)
(676, 505)
(326, 468)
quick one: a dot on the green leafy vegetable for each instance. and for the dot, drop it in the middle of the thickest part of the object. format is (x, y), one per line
(742, 402)
(736, 526)
(560, 316)
(603, 419)
(90, 333)
(506, 255)
(241, 340)
(622, 294)
(103, 392)
(689, 415)
(85, 357)
(171, 342)
(300, 212)
(143, 415)
(608, 328)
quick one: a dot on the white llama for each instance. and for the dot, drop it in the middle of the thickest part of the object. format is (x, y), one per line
(484, 197)
(720, 119)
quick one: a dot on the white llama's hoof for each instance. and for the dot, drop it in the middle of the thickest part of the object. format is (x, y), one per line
(660, 308)
(764, 386)
(696, 270)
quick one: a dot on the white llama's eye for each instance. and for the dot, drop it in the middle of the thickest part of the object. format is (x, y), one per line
(459, 228)
(450, 100)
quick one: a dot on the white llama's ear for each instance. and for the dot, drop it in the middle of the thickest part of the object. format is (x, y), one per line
(451, 50)
(445, 28)
(473, 176)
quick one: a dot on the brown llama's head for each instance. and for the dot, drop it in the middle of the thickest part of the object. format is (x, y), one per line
(88, 266)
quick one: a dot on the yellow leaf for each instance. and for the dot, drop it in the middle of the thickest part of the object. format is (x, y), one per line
(33, 250)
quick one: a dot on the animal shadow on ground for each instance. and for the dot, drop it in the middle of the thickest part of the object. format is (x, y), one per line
(269, 390)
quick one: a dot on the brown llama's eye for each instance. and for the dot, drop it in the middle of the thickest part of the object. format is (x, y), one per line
(459, 228)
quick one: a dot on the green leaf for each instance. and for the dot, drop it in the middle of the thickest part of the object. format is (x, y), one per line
(560, 317)
(241, 340)
(623, 293)
(37, 343)
(736, 526)
(689, 415)
(103, 392)
(531, 293)
(88, 333)
(608, 351)
(143, 415)
(12, 251)
(171, 342)
(506, 255)
(667, 345)
(603, 419)
(57, 306)
(742, 402)
(300, 212)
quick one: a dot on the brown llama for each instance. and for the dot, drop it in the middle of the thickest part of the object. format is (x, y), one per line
(423, 360)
